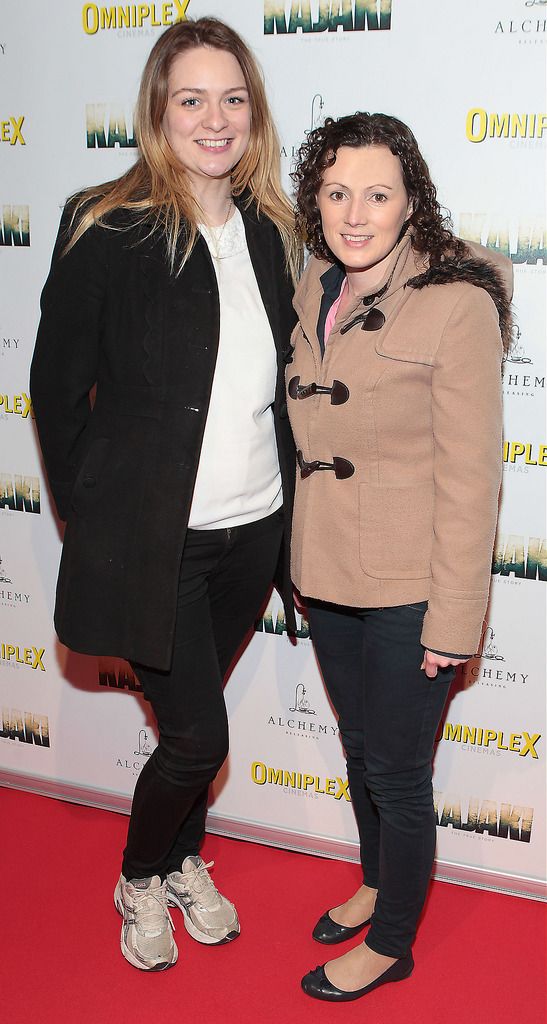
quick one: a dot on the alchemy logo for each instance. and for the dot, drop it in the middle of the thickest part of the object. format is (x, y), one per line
(18, 405)
(98, 19)
(15, 225)
(527, 29)
(143, 748)
(508, 821)
(9, 345)
(288, 18)
(25, 726)
(522, 557)
(106, 127)
(20, 493)
(481, 125)
(489, 667)
(528, 245)
(310, 785)
(12, 131)
(9, 596)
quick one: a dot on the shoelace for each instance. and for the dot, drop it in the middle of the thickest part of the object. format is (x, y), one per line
(146, 903)
(200, 886)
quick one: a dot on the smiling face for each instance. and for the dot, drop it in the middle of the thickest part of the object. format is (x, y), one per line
(207, 121)
(363, 205)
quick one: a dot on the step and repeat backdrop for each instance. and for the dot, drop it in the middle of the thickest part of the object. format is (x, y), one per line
(468, 79)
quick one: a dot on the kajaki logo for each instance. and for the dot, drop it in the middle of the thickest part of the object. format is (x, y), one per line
(117, 676)
(481, 125)
(107, 126)
(19, 493)
(524, 558)
(484, 817)
(132, 16)
(306, 16)
(25, 726)
(300, 783)
(273, 621)
(528, 244)
(15, 225)
(11, 131)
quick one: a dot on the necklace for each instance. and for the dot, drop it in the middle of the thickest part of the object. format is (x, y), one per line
(214, 235)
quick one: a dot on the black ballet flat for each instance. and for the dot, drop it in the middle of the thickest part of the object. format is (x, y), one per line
(329, 932)
(317, 984)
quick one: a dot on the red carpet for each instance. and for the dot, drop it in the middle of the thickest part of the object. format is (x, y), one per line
(480, 957)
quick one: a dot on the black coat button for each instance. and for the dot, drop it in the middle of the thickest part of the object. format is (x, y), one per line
(89, 481)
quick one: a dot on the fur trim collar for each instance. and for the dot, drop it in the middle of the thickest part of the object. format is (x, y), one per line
(477, 272)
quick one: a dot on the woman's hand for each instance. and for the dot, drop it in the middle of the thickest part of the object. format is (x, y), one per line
(433, 662)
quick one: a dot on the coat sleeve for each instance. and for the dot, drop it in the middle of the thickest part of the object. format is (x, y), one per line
(64, 365)
(467, 464)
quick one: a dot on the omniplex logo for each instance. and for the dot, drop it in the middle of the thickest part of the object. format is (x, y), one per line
(481, 125)
(107, 126)
(15, 225)
(521, 743)
(32, 657)
(12, 131)
(263, 774)
(17, 405)
(282, 18)
(96, 19)
(531, 454)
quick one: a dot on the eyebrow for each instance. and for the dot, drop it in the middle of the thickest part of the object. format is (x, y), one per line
(200, 92)
(329, 184)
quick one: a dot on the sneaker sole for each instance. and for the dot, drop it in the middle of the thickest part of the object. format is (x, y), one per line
(195, 932)
(163, 965)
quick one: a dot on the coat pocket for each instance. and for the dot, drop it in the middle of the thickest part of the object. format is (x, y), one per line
(395, 531)
(86, 490)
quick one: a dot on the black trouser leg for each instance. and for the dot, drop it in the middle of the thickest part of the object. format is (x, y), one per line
(224, 578)
(389, 714)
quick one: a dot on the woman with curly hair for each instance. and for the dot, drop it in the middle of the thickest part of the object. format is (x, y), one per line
(395, 404)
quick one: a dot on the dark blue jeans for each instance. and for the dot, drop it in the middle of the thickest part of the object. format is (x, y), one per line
(225, 576)
(389, 712)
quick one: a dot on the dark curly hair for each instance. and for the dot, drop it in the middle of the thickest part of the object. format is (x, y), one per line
(432, 232)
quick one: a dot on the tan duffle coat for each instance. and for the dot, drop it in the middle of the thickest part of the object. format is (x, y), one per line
(422, 428)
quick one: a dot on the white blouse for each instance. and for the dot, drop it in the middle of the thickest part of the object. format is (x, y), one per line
(238, 479)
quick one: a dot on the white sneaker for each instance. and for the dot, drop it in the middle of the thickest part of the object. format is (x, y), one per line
(208, 916)
(147, 931)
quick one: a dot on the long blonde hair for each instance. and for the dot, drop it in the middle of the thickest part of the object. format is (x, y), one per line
(158, 183)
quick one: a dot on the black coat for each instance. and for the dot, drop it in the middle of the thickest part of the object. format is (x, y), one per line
(122, 472)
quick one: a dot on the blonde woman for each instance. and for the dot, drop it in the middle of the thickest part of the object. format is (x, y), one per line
(170, 295)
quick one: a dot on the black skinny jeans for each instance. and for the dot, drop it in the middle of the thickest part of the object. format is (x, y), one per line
(389, 712)
(224, 578)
